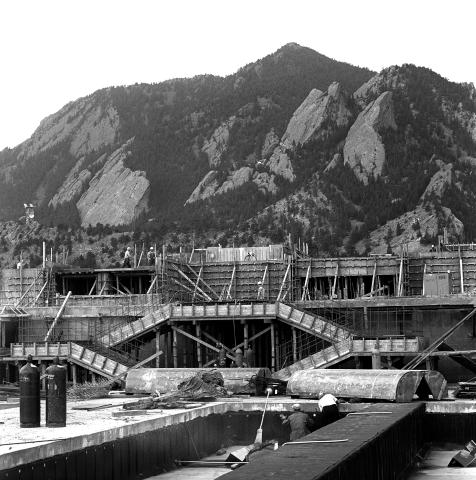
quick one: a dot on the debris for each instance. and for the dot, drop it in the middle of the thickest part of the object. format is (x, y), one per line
(89, 390)
(202, 386)
(122, 413)
(93, 407)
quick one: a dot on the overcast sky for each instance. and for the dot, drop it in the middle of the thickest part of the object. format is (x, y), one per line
(55, 51)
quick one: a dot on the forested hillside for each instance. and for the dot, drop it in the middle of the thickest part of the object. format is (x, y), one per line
(348, 160)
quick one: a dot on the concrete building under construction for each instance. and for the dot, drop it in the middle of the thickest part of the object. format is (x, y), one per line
(273, 307)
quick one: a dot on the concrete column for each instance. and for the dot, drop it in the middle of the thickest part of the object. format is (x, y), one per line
(157, 347)
(245, 335)
(198, 333)
(428, 363)
(376, 362)
(74, 373)
(42, 374)
(175, 348)
(7, 372)
(295, 357)
(357, 361)
(273, 351)
(366, 320)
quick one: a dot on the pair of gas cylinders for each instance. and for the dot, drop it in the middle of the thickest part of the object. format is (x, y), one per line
(30, 395)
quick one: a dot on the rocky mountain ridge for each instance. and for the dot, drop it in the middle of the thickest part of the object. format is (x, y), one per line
(293, 143)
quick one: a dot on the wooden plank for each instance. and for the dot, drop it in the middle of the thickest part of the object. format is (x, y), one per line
(305, 290)
(283, 282)
(93, 287)
(154, 281)
(193, 337)
(58, 316)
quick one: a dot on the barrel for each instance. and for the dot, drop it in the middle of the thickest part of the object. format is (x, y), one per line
(56, 395)
(29, 379)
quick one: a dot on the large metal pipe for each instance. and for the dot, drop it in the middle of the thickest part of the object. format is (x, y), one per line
(165, 380)
(390, 385)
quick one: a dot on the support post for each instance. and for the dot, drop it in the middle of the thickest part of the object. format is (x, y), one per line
(376, 362)
(273, 352)
(245, 335)
(461, 274)
(228, 294)
(157, 347)
(74, 373)
(174, 348)
(199, 347)
(43, 375)
(373, 279)
(295, 357)
(305, 290)
(400, 273)
(58, 316)
(335, 281)
(283, 282)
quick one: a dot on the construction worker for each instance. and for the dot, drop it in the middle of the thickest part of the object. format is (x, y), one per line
(328, 406)
(260, 295)
(151, 256)
(298, 421)
(127, 258)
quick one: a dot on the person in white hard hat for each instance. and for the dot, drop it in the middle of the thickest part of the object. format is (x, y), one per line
(127, 258)
(298, 421)
(328, 407)
(151, 256)
(260, 295)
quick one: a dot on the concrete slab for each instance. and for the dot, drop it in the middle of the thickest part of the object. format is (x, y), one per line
(19, 446)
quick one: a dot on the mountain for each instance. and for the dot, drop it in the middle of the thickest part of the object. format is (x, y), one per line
(346, 159)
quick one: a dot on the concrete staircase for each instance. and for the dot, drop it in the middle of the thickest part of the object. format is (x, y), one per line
(323, 359)
(136, 328)
(391, 346)
(74, 352)
(96, 362)
(313, 324)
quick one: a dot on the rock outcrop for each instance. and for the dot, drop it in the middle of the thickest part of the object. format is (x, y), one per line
(411, 226)
(217, 145)
(391, 78)
(210, 186)
(116, 195)
(73, 186)
(206, 188)
(271, 141)
(364, 150)
(318, 114)
(85, 124)
(280, 164)
(439, 183)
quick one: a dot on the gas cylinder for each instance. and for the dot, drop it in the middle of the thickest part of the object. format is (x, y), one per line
(56, 395)
(29, 379)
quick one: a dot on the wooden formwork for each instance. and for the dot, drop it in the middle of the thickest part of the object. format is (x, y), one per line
(231, 280)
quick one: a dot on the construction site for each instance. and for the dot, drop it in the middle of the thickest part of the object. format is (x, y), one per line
(271, 311)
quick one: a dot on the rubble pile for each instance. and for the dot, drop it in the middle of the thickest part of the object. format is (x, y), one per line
(202, 386)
